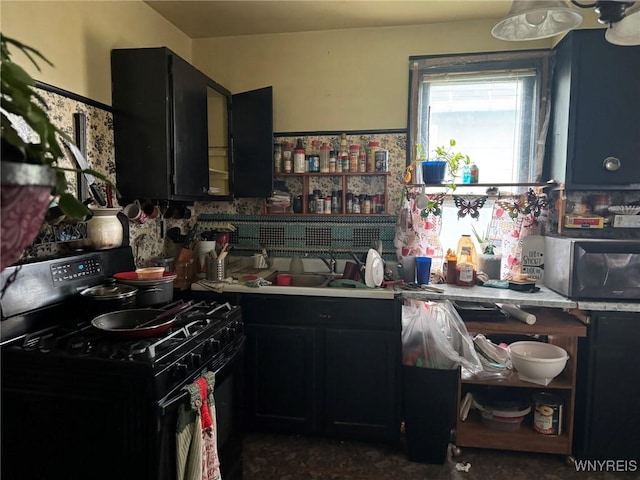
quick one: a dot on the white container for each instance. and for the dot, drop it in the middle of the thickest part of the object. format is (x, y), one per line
(104, 229)
(538, 362)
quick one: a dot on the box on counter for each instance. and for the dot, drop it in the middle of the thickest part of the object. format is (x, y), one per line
(583, 221)
(626, 221)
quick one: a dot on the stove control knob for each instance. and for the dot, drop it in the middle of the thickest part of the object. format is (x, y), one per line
(231, 332)
(224, 334)
(180, 370)
(239, 326)
(196, 359)
(212, 345)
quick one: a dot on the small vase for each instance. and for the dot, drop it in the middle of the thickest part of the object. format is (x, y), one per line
(104, 229)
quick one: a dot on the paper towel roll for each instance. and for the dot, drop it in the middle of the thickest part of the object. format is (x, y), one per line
(519, 314)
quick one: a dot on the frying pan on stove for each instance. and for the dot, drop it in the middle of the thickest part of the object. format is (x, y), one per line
(138, 322)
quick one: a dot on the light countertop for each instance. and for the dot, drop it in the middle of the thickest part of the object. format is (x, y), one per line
(542, 298)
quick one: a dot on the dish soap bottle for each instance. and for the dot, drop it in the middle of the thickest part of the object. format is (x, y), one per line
(296, 267)
(467, 262)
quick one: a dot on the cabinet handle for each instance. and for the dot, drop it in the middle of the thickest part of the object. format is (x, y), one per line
(612, 164)
(324, 316)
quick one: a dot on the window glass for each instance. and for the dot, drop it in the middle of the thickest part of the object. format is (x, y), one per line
(496, 107)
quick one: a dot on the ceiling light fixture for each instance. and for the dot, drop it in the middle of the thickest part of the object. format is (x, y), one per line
(534, 19)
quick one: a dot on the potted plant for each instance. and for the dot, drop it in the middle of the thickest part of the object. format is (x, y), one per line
(30, 171)
(452, 160)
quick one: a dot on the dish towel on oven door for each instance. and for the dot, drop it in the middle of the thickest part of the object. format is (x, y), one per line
(196, 441)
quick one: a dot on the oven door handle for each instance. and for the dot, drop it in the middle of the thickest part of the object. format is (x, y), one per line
(222, 370)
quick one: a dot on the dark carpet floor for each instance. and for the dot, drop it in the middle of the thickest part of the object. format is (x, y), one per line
(294, 457)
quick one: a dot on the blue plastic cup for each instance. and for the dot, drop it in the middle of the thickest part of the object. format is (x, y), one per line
(423, 270)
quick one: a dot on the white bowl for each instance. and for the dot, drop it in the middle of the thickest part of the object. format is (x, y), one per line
(538, 360)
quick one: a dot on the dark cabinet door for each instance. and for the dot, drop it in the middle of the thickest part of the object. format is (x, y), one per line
(189, 120)
(162, 134)
(360, 384)
(141, 122)
(252, 133)
(595, 112)
(280, 375)
(607, 420)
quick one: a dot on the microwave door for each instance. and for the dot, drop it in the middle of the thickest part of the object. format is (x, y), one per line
(602, 274)
(591, 272)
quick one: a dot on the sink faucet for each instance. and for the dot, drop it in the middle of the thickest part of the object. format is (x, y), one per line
(331, 262)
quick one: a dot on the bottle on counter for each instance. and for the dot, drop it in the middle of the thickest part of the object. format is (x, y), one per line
(450, 271)
(466, 265)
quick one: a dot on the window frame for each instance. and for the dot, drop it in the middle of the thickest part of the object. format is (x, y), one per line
(541, 60)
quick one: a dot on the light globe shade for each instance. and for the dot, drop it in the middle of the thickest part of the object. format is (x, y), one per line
(626, 32)
(533, 19)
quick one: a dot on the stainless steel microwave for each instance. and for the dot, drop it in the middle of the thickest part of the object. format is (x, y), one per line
(598, 269)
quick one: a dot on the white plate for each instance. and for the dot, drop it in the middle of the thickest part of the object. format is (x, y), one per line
(624, 209)
(374, 269)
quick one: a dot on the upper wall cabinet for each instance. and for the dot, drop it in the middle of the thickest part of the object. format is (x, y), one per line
(180, 136)
(595, 128)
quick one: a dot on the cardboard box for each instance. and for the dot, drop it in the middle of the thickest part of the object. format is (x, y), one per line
(626, 221)
(583, 221)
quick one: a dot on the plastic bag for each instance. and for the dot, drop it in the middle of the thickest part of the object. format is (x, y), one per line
(434, 336)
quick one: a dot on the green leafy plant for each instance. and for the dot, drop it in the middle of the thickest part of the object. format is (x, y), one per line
(20, 98)
(454, 160)
(484, 241)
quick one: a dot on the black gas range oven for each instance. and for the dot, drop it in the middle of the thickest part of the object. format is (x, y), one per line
(80, 404)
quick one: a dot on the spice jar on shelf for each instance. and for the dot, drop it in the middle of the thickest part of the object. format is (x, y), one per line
(277, 157)
(287, 157)
(354, 152)
(325, 155)
(299, 158)
(371, 156)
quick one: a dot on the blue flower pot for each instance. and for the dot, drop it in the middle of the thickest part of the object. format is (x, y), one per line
(433, 171)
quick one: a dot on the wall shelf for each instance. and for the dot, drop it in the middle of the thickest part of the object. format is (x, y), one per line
(550, 183)
(344, 179)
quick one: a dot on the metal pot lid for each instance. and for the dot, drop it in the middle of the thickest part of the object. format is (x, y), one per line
(109, 292)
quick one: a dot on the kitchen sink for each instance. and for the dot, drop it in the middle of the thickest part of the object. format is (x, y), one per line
(304, 279)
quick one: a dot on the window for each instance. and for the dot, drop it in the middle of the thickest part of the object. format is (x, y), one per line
(496, 107)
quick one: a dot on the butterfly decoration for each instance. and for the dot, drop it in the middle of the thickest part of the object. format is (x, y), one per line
(434, 206)
(469, 207)
(529, 203)
(536, 203)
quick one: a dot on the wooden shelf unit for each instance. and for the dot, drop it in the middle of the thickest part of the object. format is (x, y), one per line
(562, 329)
(344, 176)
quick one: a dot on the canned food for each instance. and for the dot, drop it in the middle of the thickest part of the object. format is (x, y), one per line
(547, 416)
(382, 160)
